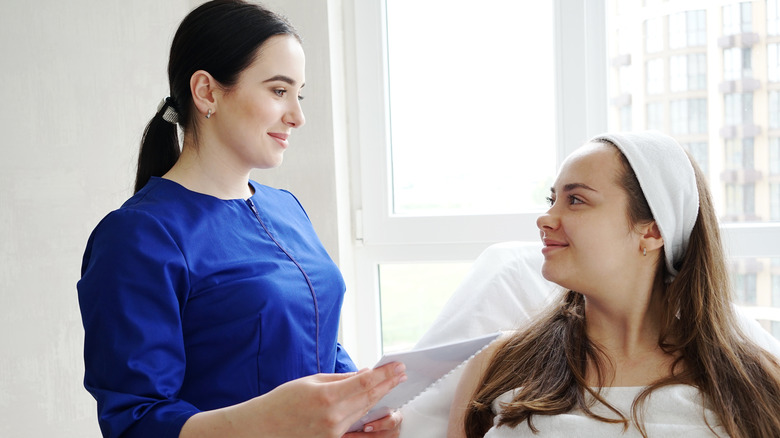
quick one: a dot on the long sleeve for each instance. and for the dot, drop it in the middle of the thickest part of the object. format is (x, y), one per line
(192, 303)
(134, 282)
(344, 363)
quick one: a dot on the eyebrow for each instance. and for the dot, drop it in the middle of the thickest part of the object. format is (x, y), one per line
(572, 186)
(283, 78)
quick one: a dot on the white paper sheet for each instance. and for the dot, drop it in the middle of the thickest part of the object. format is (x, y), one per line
(424, 367)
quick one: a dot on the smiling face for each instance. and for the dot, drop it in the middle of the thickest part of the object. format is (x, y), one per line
(254, 119)
(587, 237)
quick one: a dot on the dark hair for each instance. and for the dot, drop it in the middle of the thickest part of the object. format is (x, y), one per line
(547, 361)
(221, 37)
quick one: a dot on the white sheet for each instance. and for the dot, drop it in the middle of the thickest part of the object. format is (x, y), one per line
(501, 292)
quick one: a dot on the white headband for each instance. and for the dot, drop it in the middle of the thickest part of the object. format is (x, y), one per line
(667, 179)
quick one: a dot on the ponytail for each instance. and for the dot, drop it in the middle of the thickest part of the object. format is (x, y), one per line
(159, 145)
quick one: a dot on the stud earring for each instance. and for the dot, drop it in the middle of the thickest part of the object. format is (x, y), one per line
(208, 115)
(644, 251)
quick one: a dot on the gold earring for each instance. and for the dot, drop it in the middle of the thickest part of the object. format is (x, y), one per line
(208, 115)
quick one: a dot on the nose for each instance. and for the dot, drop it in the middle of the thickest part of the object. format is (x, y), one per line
(547, 221)
(294, 118)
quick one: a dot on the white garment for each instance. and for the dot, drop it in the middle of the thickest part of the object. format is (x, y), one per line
(671, 411)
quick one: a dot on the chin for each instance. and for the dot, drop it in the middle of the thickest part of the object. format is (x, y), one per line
(552, 275)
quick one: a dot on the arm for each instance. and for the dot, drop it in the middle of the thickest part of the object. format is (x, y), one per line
(133, 346)
(318, 406)
(467, 386)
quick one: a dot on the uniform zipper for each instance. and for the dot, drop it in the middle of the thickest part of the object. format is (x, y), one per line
(308, 281)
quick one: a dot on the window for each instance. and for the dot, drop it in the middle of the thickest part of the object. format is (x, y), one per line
(688, 72)
(399, 229)
(517, 99)
(458, 145)
(773, 62)
(738, 108)
(700, 152)
(654, 38)
(737, 63)
(688, 116)
(427, 285)
(772, 17)
(745, 289)
(655, 116)
(774, 109)
(740, 200)
(624, 75)
(774, 155)
(625, 117)
(737, 18)
(687, 29)
(739, 154)
(655, 76)
(774, 202)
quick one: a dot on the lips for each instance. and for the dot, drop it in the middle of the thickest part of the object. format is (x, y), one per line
(551, 245)
(552, 242)
(280, 137)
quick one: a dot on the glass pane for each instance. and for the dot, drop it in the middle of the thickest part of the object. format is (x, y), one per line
(411, 296)
(756, 283)
(471, 105)
(732, 126)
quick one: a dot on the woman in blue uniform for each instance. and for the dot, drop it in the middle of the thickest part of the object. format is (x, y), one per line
(209, 305)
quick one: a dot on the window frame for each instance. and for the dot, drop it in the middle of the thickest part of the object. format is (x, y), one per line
(581, 96)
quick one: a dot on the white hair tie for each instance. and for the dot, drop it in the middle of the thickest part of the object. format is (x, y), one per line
(170, 115)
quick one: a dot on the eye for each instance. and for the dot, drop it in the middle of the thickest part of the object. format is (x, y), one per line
(300, 98)
(550, 200)
(573, 200)
(280, 92)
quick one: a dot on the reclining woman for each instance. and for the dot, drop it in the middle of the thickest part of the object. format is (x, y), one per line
(644, 341)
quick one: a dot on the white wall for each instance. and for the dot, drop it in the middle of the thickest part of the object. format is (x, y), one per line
(80, 79)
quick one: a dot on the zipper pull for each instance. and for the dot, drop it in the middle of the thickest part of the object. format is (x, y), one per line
(251, 206)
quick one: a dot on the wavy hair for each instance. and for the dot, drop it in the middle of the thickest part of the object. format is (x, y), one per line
(546, 363)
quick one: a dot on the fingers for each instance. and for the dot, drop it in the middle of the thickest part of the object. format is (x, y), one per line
(375, 383)
(379, 381)
(366, 388)
(335, 377)
(390, 422)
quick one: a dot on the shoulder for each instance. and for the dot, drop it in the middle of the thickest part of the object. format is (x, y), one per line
(281, 198)
(272, 192)
(148, 220)
(482, 360)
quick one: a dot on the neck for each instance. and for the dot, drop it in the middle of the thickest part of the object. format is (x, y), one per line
(200, 170)
(627, 327)
(628, 323)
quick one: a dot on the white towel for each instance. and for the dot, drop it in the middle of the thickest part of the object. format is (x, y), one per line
(668, 181)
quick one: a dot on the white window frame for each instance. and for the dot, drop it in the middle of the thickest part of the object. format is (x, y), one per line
(380, 237)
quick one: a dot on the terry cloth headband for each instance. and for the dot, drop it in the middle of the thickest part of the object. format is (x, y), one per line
(667, 179)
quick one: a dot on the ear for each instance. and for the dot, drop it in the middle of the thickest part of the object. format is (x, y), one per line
(203, 87)
(650, 237)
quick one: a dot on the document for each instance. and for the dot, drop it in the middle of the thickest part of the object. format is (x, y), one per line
(424, 367)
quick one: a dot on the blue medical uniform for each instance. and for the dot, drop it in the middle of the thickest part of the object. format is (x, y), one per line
(190, 303)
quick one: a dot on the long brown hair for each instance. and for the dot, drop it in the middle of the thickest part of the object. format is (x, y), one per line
(546, 363)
